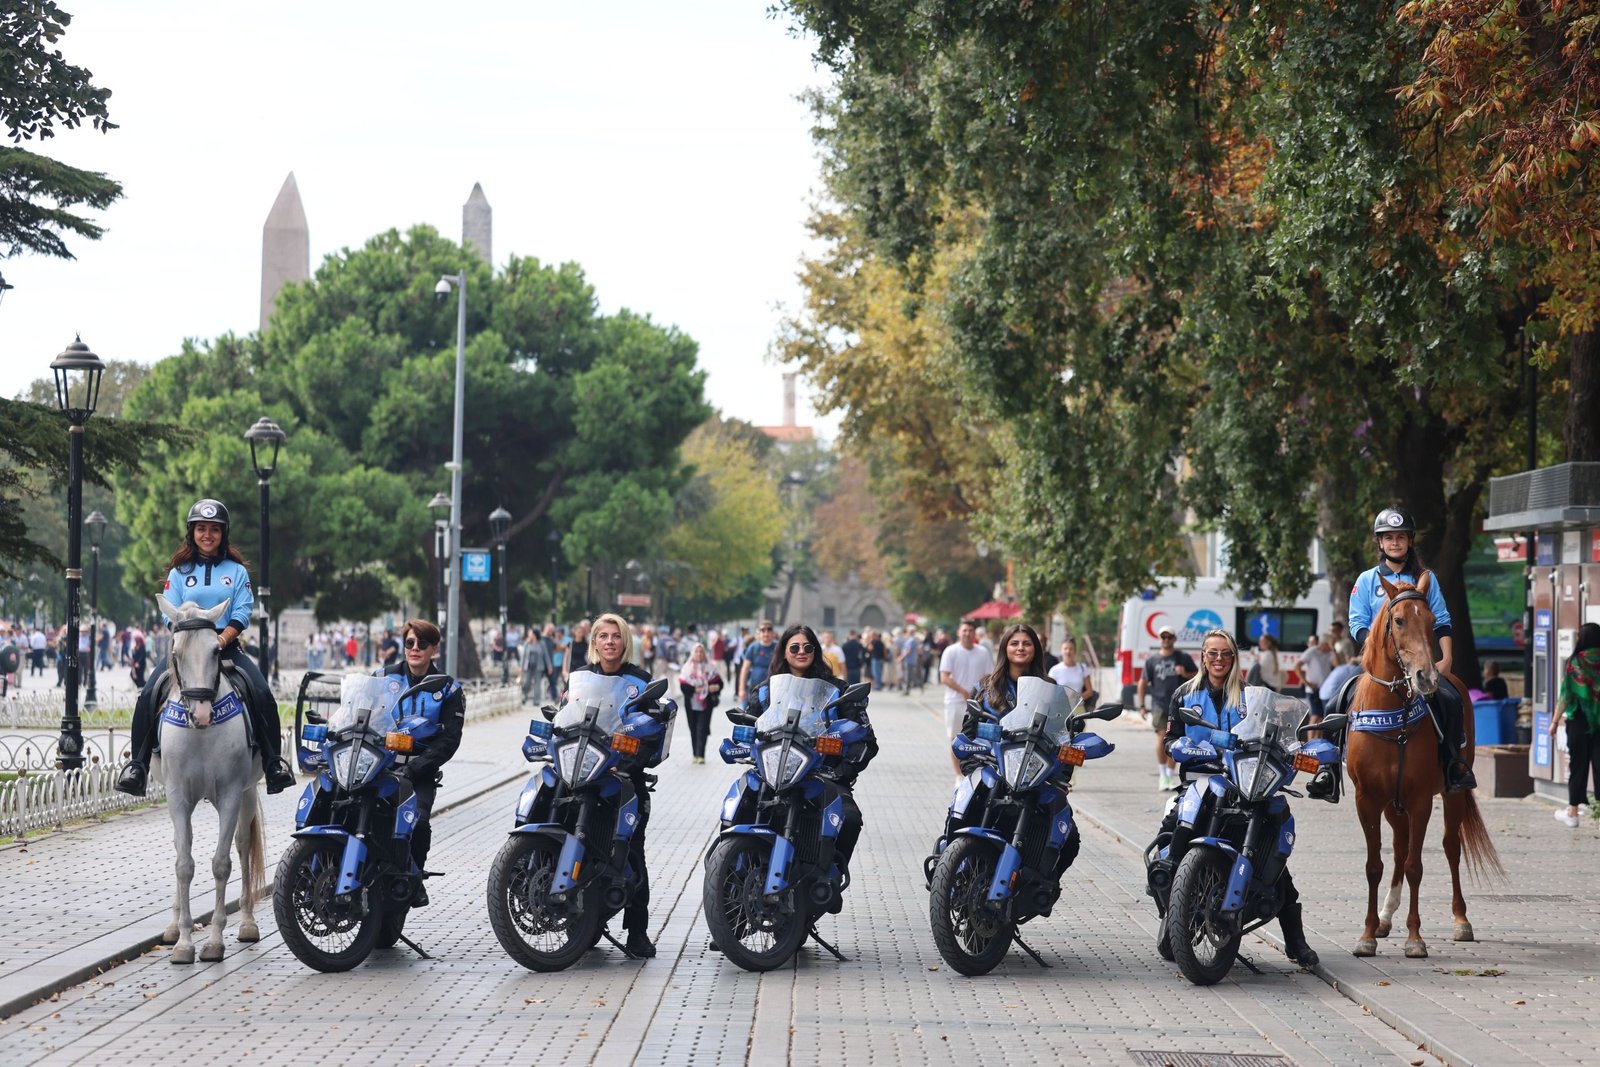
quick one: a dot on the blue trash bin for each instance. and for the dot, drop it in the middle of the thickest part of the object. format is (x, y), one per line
(1494, 722)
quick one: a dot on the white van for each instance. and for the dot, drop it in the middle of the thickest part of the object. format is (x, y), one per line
(1190, 612)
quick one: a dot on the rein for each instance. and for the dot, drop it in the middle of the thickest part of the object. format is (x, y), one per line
(1404, 681)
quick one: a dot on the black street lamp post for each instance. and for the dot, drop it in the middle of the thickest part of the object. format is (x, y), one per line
(440, 506)
(97, 529)
(77, 372)
(265, 438)
(553, 541)
(500, 528)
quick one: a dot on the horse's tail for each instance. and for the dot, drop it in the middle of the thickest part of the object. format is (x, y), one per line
(1482, 858)
(253, 852)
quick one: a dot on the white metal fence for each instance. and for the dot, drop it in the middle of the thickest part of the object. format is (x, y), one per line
(42, 797)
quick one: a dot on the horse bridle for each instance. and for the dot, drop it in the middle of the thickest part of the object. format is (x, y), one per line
(1405, 672)
(196, 692)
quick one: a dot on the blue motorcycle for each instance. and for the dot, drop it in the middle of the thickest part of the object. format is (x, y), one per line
(1215, 874)
(773, 871)
(1013, 833)
(346, 882)
(564, 872)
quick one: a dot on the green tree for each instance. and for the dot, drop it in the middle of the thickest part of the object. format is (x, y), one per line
(39, 90)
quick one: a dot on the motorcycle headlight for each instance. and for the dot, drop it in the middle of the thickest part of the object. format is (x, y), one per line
(1023, 766)
(354, 764)
(578, 762)
(780, 771)
(1255, 777)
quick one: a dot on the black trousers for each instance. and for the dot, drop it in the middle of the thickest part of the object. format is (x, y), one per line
(1583, 759)
(422, 835)
(636, 916)
(258, 699)
(699, 729)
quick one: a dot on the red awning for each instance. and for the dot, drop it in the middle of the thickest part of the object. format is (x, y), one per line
(995, 609)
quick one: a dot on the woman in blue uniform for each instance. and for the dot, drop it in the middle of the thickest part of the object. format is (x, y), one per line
(208, 571)
(611, 652)
(1396, 535)
(1218, 692)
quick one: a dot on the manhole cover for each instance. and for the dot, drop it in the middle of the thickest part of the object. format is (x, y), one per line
(1153, 1058)
(1524, 898)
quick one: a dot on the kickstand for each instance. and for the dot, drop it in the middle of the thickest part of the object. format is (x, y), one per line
(605, 932)
(1249, 963)
(818, 939)
(1023, 945)
(414, 947)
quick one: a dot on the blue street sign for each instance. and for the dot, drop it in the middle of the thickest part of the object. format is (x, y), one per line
(475, 566)
(1541, 619)
(1541, 739)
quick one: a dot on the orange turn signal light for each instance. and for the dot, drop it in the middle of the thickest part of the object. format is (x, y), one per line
(830, 745)
(395, 741)
(1308, 763)
(1070, 755)
(626, 744)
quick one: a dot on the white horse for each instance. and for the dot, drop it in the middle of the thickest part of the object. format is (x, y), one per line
(205, 755)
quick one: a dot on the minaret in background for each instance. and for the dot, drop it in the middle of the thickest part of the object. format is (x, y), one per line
(285, 246)
(477, 224)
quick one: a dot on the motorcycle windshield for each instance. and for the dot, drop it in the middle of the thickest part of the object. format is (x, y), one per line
(1264, 708)
(603, 694)
(1043, 702)
(801, 699)
(368, 701)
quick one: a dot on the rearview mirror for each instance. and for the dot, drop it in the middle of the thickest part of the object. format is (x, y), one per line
(652, 692)
(851, 694)
(548, 711)
(1189, 714)
(1330, 724)
(1106, 712)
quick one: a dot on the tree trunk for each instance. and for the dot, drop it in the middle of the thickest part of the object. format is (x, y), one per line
(1582, 430)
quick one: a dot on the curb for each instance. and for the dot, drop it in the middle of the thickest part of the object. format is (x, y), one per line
(108, 950)
(1343, 985)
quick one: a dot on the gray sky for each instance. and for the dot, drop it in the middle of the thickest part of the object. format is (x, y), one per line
(659, 145)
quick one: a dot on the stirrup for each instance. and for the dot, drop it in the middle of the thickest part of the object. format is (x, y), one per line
(278, 775)
(1458, 778)
(134, 779)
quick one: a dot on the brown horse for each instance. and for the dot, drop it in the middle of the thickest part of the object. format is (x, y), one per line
(1396, 770)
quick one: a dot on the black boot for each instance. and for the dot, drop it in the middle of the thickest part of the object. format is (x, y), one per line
(279, 776)
(639, 944)
(132, 779)
(1324, 785)
(1458, 777)
(1294, 937)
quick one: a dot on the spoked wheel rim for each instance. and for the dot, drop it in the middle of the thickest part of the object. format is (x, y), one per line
(975, 924)
(330, 922)
(757, 924)
(1210, 933)
(543, 925)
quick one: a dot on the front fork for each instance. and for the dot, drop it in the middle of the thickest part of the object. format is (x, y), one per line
(1010, 862)
(569, 868)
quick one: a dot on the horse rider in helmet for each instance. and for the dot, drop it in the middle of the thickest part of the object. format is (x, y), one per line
(207, 570)
(1396, 534)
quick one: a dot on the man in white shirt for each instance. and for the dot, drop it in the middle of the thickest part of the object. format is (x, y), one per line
(961, 671)
(1316, 663)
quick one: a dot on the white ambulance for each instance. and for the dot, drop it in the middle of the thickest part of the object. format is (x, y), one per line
(1192, 611)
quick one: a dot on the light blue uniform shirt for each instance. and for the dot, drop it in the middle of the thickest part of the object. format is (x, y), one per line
(1367, 597)
(210, 584)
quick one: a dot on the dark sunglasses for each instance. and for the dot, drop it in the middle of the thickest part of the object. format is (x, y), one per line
(412, 642)
(799, 649)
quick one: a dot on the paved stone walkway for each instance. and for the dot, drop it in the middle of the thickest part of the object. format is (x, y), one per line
(1106, 998)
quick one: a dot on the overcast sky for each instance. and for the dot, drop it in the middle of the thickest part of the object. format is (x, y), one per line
(659, 145)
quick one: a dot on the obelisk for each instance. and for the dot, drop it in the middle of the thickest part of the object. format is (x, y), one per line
(477, 224)
(285, 246)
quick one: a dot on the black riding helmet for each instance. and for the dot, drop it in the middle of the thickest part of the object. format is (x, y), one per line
(207, 510)
(1393, 520)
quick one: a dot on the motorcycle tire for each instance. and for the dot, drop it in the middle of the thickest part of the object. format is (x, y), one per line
(392, 926)
(1204, 942)
(325, 931)
(972, 936)
(538, 933)
(739, 914)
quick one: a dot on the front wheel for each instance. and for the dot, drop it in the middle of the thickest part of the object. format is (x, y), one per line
(973, 935)
(1205, 941)
(753, 931)
(537, 932)
(326, 930)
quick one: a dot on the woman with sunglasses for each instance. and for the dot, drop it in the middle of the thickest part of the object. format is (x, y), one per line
(443, 701)
(800, 653)
(612, 652)
(1217, 692)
